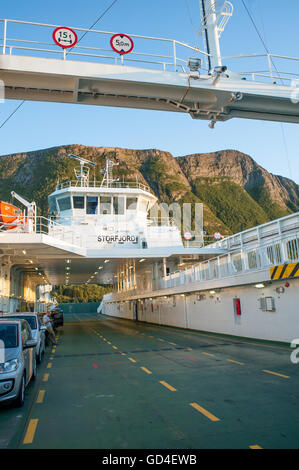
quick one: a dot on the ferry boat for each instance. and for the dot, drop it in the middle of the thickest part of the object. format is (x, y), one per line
(102, 232)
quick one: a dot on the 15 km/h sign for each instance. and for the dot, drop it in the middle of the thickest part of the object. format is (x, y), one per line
(65, 37)
(121, 43)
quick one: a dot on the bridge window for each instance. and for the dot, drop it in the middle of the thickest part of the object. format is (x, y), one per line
(64, 204)
(92, 205)
(78, 202)
(106, 205)
(119, 205)
(143, 205)
(131, 203)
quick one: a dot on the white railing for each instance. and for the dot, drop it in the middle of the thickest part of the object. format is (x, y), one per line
(279, 250)
(149, 52)
(40, 225)
(269, 68)
(162, 53)
(98, 184)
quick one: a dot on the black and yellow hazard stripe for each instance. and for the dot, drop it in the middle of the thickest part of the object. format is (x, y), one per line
(285, 271)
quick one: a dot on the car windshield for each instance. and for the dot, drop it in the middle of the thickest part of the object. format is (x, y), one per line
(9, 335)
(30, 319)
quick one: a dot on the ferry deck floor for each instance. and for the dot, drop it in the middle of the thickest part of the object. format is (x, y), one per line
(118, 384)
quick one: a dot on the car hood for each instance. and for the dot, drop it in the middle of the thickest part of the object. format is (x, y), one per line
(11, 353)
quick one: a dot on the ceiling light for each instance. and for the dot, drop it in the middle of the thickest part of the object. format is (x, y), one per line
(259, 286)
(141, 260)
(212, 292)
(106, 260)
(24, 252)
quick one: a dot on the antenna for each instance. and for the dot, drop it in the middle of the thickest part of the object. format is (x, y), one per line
(108, 173)
(82, 172)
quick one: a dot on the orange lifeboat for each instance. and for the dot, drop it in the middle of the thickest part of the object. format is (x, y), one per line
(11, 216)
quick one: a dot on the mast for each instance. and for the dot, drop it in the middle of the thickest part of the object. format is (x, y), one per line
(215, 16)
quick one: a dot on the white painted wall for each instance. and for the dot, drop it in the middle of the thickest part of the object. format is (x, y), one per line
(216, 312)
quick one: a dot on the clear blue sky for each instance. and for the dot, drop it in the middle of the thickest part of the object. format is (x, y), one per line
(38, 125)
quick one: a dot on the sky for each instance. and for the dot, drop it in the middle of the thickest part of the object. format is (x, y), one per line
(39, 125)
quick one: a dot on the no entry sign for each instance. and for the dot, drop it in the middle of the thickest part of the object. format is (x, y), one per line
(121, 43)
(65, 37)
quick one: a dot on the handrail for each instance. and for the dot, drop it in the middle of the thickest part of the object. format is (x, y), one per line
(98, 184)
(9, 43)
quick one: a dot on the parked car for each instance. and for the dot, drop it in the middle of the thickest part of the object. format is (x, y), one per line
(37, 328)
(18, 361)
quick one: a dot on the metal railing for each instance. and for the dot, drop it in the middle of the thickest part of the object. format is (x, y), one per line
(41, 225)
(163, 53)
(282, 249)
(149, 52)
(98, 184)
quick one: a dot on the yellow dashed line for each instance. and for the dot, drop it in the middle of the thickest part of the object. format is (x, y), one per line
(204, 412)
(114, 347)
(46, 377)
(208, 354)
(132, 360)
(255, 446)
(28, 439)
(49, 365)
(235, 362)
(170, 387)
(40, 397)
(276, 373)
(146, 370)
(160, 339)
(173, 344)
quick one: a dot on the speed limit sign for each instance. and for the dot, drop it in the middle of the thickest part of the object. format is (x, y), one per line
(121, 43)
(65, 37)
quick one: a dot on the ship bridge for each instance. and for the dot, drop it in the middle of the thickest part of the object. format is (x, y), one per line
(158, 74)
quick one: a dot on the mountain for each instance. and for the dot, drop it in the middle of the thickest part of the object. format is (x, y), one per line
(236, 192)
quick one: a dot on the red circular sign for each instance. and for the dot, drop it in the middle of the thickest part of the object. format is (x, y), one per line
(217, 235)
(65, 37)
(187, 235)
(121, 43)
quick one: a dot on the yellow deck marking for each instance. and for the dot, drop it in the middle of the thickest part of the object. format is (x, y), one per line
(151, 336)
(208, 354)
(189, 349)
(132, 360)
(276, 373)
(146, 370)
(123, 354)
(46, 377)
(160, 339)
(173, 344)
(29, 436)
(49, 365)
(108, 342)
(114, 347)
(40, 397)
(235, 362)
(204, 412)
(170, 387)
(51, 358)
(255, 446)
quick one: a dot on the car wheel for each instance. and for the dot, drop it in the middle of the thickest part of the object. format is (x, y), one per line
(19, 401)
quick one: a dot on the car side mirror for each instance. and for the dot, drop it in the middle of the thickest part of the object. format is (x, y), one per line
(30, 343)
